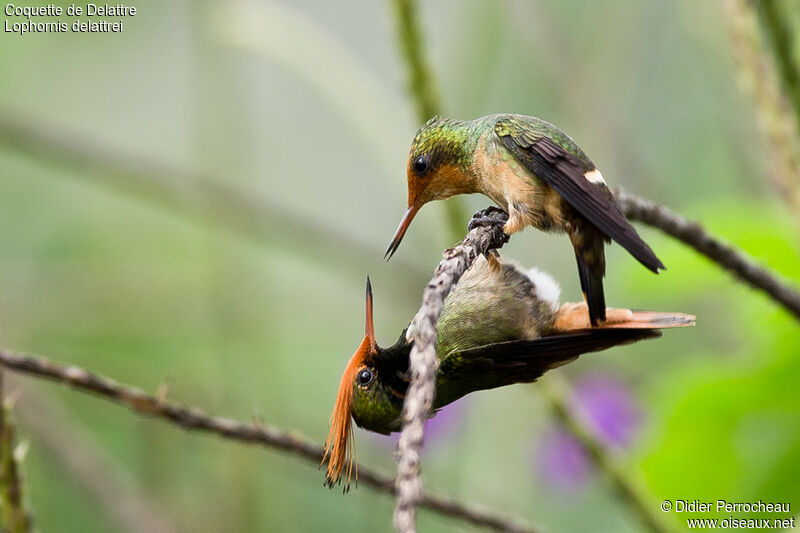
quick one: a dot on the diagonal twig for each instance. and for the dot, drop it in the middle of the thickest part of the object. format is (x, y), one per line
(423, 362)
(193, 418)
(724, 255)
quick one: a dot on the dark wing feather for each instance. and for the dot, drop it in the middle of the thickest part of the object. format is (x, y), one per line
(547, 352)
(504, 363)
(565, 172)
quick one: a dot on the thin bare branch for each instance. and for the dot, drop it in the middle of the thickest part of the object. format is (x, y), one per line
(724, 255)
(193, 418)
(423, 362)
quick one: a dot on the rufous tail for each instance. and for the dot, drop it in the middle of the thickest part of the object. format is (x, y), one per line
(573, 317)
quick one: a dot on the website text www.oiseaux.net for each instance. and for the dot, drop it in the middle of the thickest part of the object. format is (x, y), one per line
(692, 508)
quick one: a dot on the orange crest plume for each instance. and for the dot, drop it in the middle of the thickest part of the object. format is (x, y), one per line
(340, 447)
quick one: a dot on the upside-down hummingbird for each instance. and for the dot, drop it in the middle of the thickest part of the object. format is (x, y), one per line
(535, 173)
(499, 326)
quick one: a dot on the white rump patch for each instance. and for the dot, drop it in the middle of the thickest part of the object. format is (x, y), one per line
(594, 176)
(546, 287)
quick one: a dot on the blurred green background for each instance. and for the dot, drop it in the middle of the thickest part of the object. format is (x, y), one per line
(136, 260)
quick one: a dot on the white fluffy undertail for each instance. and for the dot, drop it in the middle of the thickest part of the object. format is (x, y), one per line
(546, 287)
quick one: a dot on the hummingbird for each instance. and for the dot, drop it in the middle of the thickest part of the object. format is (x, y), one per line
(535, 173)
(499, 325)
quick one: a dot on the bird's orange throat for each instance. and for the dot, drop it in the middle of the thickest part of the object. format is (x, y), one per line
(446, 181)
(452, 180)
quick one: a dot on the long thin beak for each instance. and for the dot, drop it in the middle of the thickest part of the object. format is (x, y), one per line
(401, 231)
(369, 329)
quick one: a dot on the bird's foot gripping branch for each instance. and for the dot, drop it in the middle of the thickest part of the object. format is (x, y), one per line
(490, 217)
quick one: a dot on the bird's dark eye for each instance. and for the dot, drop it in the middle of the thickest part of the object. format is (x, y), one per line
(364, 377)
(421, 164)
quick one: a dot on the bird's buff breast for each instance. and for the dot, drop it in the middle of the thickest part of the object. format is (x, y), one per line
(527, 200)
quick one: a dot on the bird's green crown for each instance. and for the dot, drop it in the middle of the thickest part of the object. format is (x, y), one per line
(444, 140)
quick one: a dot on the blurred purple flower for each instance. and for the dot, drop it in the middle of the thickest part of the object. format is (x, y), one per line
(611, 412)
(447, 420)
(609, 407)
(561, 460)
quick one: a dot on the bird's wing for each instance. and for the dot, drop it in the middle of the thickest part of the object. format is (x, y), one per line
(523, 361)
(565, 170)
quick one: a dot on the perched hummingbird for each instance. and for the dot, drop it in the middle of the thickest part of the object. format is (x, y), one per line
(499, 326)
(535, 173)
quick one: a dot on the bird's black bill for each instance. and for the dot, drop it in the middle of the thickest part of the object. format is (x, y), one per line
(401, 231)
(369, 329)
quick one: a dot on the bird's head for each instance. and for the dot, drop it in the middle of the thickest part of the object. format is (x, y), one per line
(437, 168)
(363, 397)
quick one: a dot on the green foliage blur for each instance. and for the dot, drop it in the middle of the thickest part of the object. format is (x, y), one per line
(302, 108)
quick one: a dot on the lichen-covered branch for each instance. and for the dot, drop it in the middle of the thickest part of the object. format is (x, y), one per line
(424, 363)
(723, 254)
(193, 418)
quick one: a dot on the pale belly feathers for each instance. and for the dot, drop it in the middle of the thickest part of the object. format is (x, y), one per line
(527, 199)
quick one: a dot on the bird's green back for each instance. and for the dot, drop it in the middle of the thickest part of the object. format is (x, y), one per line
(532, 128)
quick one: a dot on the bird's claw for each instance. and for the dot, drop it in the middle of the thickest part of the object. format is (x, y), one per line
(490, 217)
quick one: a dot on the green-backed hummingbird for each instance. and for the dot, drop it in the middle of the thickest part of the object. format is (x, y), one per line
(499, 326)
(534, 172)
